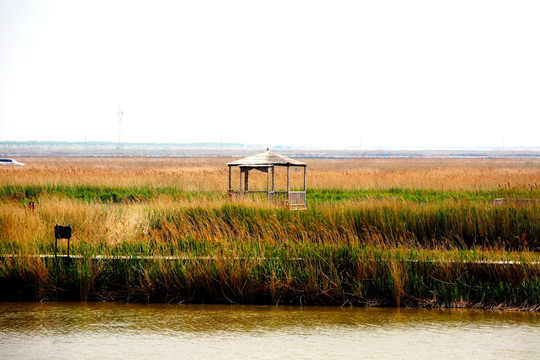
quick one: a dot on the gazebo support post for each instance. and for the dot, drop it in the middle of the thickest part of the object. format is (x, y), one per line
(288, 186)
(268, 183)
(304, 178)
(246, 181)
(230, 181)
(273, 178)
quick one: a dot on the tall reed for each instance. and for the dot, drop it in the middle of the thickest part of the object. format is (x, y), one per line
(280, 273)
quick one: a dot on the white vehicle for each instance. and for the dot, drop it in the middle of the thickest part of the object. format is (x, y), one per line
(4, 161)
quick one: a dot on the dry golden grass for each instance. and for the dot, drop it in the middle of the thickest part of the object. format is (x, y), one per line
(383, 223)
(211, 174)
(111, 224)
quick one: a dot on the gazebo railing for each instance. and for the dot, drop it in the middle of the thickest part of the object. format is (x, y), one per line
(277, 196)
(297, 198)
(291, 199)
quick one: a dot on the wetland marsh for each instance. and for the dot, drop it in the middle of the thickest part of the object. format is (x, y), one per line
(409, 232)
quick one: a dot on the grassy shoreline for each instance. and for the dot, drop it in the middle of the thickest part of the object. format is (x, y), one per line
(289, 273)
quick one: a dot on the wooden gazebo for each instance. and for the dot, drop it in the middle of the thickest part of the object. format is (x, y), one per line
(266, 162)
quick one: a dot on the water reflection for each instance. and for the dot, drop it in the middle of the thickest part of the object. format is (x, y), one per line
(112, 330)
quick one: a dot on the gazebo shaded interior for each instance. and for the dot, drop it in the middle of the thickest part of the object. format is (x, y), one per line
(266, 162)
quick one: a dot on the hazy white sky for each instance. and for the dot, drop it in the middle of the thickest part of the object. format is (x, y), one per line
(339, 74)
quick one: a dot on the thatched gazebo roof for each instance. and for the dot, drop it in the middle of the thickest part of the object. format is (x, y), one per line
(267, 158)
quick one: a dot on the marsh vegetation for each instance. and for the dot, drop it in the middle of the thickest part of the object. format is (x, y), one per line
(420, 232)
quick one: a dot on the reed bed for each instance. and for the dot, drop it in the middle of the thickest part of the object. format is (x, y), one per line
(413, 232)
(281, 273)
(438, 225)
(211, 174)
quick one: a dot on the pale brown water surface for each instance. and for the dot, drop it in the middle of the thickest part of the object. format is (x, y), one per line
(130, 331)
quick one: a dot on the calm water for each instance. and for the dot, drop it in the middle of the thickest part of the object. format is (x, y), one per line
(127, 331)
